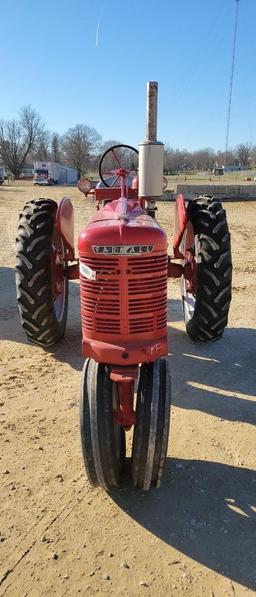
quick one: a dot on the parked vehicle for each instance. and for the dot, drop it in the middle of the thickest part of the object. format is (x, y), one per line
(27, 172)
(49, 173)
(2, 175)
(123, 267)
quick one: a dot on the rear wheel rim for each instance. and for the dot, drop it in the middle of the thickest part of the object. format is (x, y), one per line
(59, 302)
(188, 300)
(189, 278)
(59, 283)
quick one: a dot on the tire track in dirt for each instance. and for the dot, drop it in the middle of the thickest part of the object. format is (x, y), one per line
(43, 532)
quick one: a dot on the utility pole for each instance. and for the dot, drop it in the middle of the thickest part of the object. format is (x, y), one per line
(231, 78)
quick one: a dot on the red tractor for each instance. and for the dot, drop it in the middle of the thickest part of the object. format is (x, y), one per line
(123, 267)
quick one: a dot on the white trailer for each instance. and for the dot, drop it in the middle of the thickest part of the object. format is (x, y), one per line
(48, 173)
(68, 175)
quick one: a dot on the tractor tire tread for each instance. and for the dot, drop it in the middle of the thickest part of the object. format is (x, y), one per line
(103, 467)
(33, 273)
(145, 412)
(214, 269)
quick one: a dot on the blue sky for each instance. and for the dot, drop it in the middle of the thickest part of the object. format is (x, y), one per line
(51, 60)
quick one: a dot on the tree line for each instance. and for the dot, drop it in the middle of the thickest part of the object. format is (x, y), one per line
(181, 160)
(26, 139)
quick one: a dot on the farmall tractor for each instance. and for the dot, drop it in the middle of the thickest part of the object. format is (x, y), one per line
(123, 268)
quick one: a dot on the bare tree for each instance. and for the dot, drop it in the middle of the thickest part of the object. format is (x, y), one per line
(171, 160)
(204, 159)
(243, 153)
(177, 160)
(56, 148)
(80, 144)
(107, 144)
(18, 138)
(253, 155)
(42, 151)
(226, 158)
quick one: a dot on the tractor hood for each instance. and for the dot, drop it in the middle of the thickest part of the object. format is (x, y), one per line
(112, 232)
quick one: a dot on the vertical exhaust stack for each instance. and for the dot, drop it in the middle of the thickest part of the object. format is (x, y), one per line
(151, 153)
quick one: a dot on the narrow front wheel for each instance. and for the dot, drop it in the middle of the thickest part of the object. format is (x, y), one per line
(103, 441)
(150, 440)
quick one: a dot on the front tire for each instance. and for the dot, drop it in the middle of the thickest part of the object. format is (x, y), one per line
(41, 281)
(206, 283)
(151, 432)
(103, 441)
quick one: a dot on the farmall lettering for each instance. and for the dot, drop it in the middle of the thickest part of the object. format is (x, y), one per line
(123, 249)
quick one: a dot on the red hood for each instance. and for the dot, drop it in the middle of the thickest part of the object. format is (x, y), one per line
(107, 227)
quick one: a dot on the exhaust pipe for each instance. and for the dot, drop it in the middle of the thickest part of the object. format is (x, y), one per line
(151, 153)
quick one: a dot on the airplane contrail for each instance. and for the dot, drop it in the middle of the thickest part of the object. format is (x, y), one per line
(98, 26)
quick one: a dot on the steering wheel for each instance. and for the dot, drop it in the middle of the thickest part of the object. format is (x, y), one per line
(111, 156)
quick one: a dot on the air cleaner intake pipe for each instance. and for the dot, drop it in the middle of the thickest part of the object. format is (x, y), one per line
(151, 153)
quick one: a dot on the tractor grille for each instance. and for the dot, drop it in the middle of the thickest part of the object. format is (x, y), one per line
(129, 296)
(150, 285)
(147, 265)
(104, 264)
(100, 299)
(147, 293)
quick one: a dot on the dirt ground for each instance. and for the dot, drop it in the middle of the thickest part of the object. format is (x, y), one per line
(196, 534)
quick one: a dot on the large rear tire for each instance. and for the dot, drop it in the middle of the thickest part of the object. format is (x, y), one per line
(41, 281)
(150, 439)
(103, 441)
(206, 284)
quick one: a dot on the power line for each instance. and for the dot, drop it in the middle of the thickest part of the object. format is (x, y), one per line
(232, 78)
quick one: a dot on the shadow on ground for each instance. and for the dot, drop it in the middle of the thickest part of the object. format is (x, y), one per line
(174, 312)
(206, 510)
(227, 364)
(217, 378)
(69, 349)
